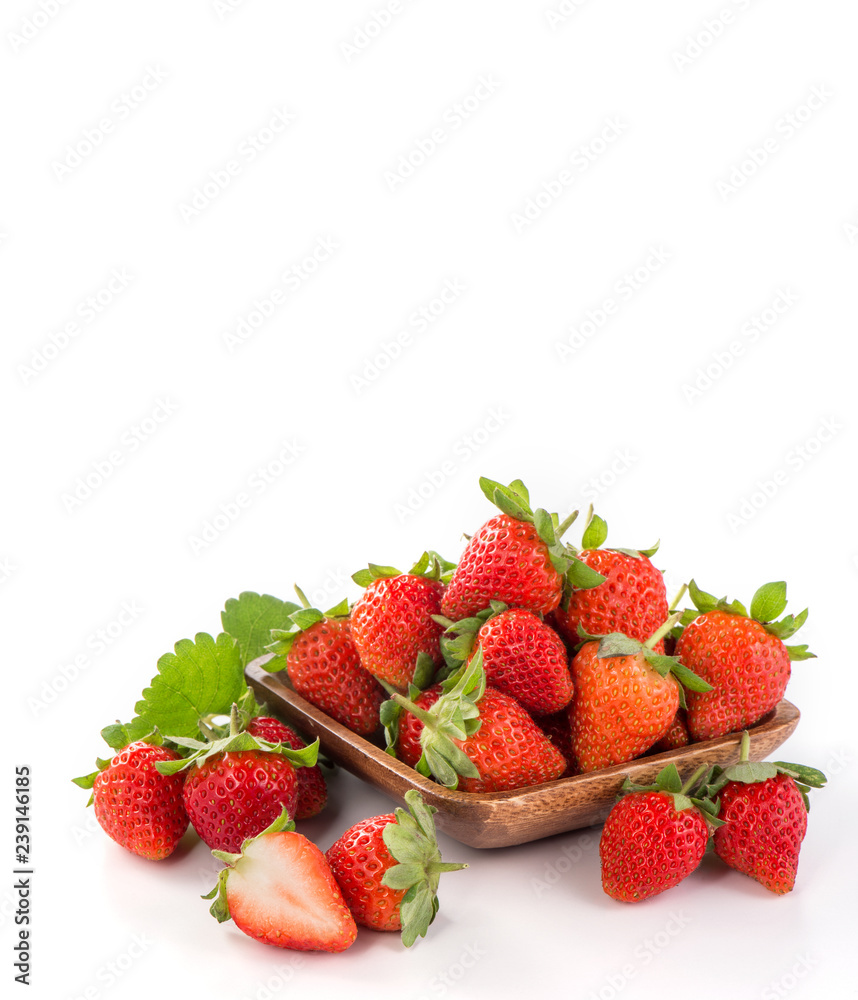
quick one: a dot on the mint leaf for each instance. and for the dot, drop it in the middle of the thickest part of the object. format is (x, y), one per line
(203, 677)
(250, 618)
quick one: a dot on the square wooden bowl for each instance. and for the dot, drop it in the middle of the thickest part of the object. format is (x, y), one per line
(501, 819)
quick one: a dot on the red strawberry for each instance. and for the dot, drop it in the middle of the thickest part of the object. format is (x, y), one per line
(522, 656)
(136, 806)
(742, 656)
(626, 697)
(312, 789)
(676, 736)
(236, 786)
(653, 838)
(393, 623)
(324, 667)
(477, 739)
(281, 891)
(631, 599)
(380, 860)
(515, 557)
(764, 811)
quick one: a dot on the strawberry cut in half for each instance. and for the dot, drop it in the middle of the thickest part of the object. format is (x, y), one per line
(280, 890)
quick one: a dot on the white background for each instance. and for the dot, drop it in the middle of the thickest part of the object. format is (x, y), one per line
(735, 447)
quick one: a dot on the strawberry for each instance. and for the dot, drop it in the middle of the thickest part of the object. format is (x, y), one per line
(319, 654)
(393, 621)
(388, 868)
(515, 557)
(764, 811)
(280, 890)
(654, 837)
(136, 806)
(237, 785)
(676, 736)
(522, 656)
(741, 655)
(473, 737)
(626, 697)
(630, 598)
(556, 728)
(312, 789)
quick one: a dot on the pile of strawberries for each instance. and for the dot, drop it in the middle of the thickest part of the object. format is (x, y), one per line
(527, 661)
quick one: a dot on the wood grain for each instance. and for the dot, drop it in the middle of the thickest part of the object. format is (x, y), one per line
(501, 819)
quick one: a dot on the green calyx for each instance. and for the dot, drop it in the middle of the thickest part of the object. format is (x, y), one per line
(457, 641)
(619, 644)
(237, 740)
(694, 793)
(299, 621)
(430, 565)
(514, 501)
(596, 534)
(768, 602)
(454, 716)
(751, 772)
(220, 907)
(413, 843)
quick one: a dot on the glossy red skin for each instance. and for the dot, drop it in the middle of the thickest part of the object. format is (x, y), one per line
(765, 824)
(747, 667)
(556, 728)
(507, 561)
(647, 846)
(526, 659)
(136, 806)
(324, 667)
(392, 623)
(677, 735)
(620, 709)
(359, 860)
(312, 788)
(632, 600)
(509, 749)
(236, 795)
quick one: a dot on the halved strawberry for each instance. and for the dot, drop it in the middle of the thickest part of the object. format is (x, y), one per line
(280, 890)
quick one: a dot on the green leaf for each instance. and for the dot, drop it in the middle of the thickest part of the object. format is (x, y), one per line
(424, 670)
(119, 734)
(249, 619)
(595, 533)
(668, 779)
(200, 678)
(617, 644)
(488, 486)
(662, 664)
(363, 577)
(384, 572)
(581, 576)
(787, 626)
(305, 618)
(702, 601)
(86, 780)
(800, 653)
(769, 601)
(518, 487)
(544, 526)
(340, 610)
(688, 679)
(750, 771)
(510, 505)
(806, 775)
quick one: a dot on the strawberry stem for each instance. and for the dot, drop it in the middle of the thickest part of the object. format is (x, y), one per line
(302, 597)
(234, 721)
(564, 525)
(678, 597)
(692, 780)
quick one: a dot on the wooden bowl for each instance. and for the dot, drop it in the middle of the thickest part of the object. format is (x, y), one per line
(500, 819)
